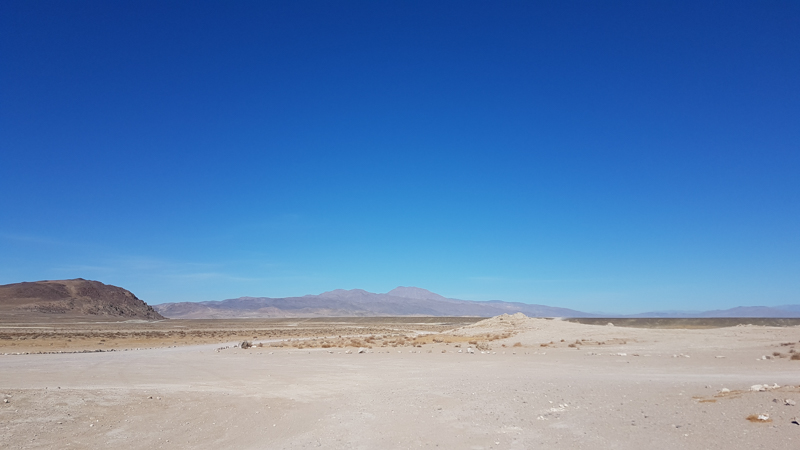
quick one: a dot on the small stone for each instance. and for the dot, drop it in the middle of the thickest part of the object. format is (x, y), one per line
(5, 400)
(789, 402)
(724, 391)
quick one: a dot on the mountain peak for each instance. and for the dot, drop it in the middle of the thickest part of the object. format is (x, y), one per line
(344, 293)
(415, 293)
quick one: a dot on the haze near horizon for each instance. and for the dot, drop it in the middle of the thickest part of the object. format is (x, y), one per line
(617, 157)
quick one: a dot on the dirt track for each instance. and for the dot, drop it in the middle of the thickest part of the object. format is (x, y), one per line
(529, 396)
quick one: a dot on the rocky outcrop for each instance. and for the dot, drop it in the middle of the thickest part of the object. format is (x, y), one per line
(71, 298)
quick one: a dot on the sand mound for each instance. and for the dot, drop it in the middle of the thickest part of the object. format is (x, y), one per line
(504, 323)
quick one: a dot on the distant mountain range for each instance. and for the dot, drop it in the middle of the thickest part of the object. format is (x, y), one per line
(412, 301)
(783, 311)
(84, 298)
(401, 301)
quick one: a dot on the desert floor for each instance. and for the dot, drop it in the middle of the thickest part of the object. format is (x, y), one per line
(528, 383)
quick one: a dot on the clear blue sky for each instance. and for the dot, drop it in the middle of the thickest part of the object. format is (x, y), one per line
(604, 156)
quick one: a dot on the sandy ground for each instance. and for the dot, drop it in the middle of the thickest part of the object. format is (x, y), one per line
(625, 388)
(77, 335)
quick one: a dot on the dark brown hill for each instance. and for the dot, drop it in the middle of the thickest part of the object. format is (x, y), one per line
(71, 298)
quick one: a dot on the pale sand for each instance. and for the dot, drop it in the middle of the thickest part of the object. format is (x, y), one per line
(540, 397)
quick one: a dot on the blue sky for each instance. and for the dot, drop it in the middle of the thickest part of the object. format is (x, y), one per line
(603, 156)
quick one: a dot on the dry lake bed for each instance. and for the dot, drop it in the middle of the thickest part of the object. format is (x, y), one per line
(508, 382)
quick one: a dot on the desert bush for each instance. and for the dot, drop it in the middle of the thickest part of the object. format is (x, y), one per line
(572, 345)
(518, 344)
(544, 345)
(777, 354)
(795, 357)
(473, 342)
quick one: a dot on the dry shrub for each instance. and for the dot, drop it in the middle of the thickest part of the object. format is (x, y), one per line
(473, 342)
(572, 345)
(544, 345)
(777, 354)
(517, 344)
(795, 357)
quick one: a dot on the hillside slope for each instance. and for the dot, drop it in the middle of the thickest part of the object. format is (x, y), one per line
(72, 298)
